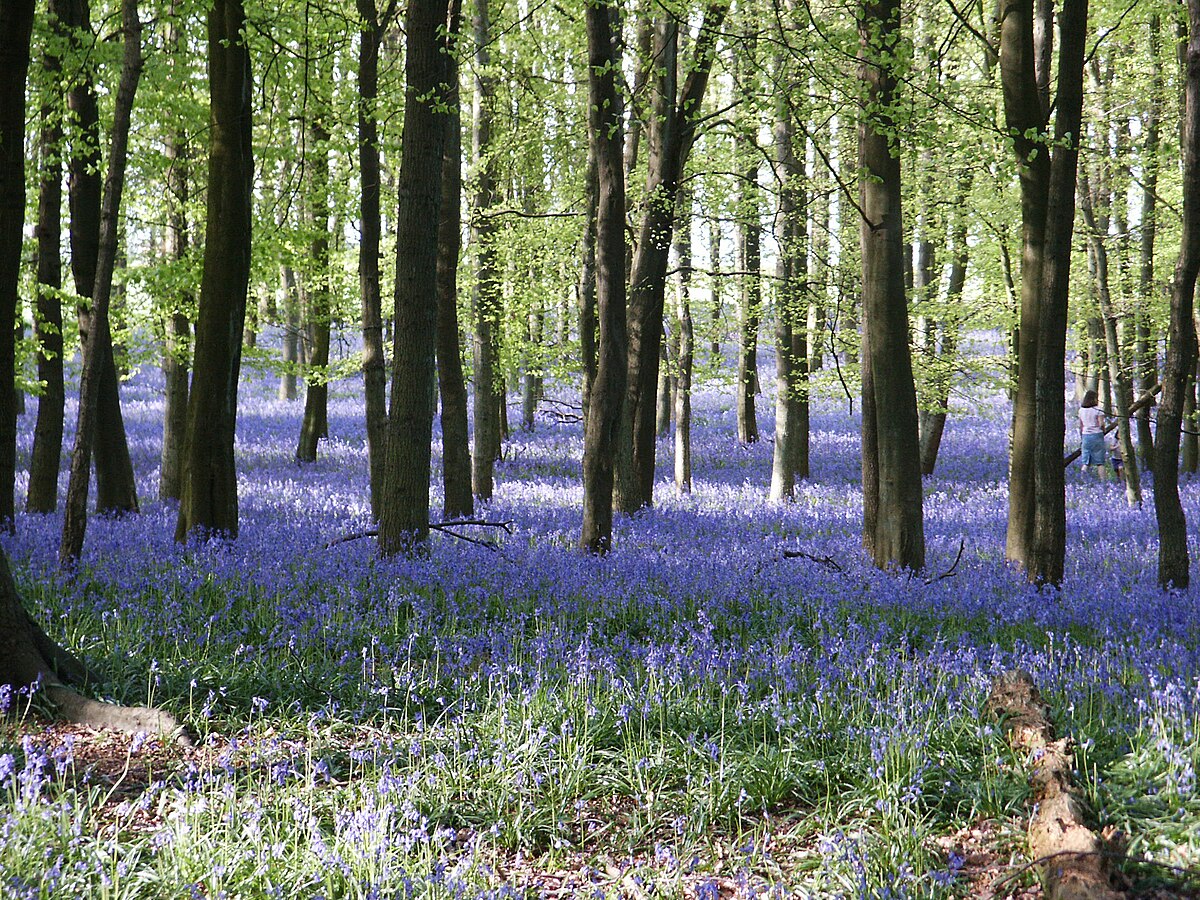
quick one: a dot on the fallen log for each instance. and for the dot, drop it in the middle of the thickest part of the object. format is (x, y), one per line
(1145, 400)
(1072, 858)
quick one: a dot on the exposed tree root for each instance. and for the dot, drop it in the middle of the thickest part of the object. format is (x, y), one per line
(1073, 859)
(29, 657)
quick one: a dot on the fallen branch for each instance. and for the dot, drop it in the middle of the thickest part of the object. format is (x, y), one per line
(949, 573)
(443, 527)
(1073, 858)
(1145, 400)
(828, 561)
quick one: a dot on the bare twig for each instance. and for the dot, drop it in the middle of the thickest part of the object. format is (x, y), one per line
(949, 573)
(828, 561)
(443, 527)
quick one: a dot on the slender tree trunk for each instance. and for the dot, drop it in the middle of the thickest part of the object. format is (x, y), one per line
(1048, 547)
(457, 501)
(608, 389)
(318, 310)
(714, 264)
(48, 432)
(208, 502)
(673, 132)
(374, 363)
(933, 425)
(17, 16)
(1173, 562)
(791, 353)
(289, 308)
(1026, 116)
(404, 515)
(99, 337)
(751, 299)
(588, 323)
(898, 537)
(489, 381)
(1122, 393)
(1146, 354)
(687, 349)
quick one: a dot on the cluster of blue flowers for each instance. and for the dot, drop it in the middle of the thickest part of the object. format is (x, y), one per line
(694, 634)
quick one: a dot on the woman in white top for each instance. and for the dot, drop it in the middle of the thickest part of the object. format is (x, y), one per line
(1091, 432)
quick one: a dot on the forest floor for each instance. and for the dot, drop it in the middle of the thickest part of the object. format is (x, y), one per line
(698, 715)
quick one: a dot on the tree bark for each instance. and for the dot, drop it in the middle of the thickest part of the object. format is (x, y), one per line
(687, 350)
(28, 657)
(458, 501)
(608, 389)
(178, 329)
(1122, 393)
(17, 16)
(1146, 355)
(1173, 562)
(898, 536)
(673, 133)
(750, 247)
(404, 516)
(374, 365)
(588, 323)
(209, 497)
(1048, 548)
(97, 353)
(1025, 114)
(489, 381)
(289, 307)
(933, 421)
(319, 308)
(46, 457)
(116, 491)
(791, 352)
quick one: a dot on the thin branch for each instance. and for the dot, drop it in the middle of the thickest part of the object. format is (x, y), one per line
(949, 573)
(827, 561)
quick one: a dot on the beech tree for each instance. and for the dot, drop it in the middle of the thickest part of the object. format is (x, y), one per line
(208, 500)
(893, 529)
(97, 348)
(1173, 562)
(604, 404)
(14, 66)
(404, 516)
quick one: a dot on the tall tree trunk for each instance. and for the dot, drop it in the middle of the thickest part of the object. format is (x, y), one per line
(673, 131)
(1147, 357)
(48, 432)
(208, 502)
(99, 337)
(750, 245)
(933, 423)
(1048, 547)
(714, 265)
(17, 16)
(289, 307)
(687, 349)
(588, 322)
(1089, 199)
(404, 516)
(116, 491)
(1025, 115)
(791, 357)
(177, 330)
(457, 500)
(489, 380)
(898, 538)
(374, 364)
(608, 389)
(1173, 563)
(319, 308)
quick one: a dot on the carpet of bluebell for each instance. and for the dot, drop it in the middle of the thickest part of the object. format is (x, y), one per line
(695, 715)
